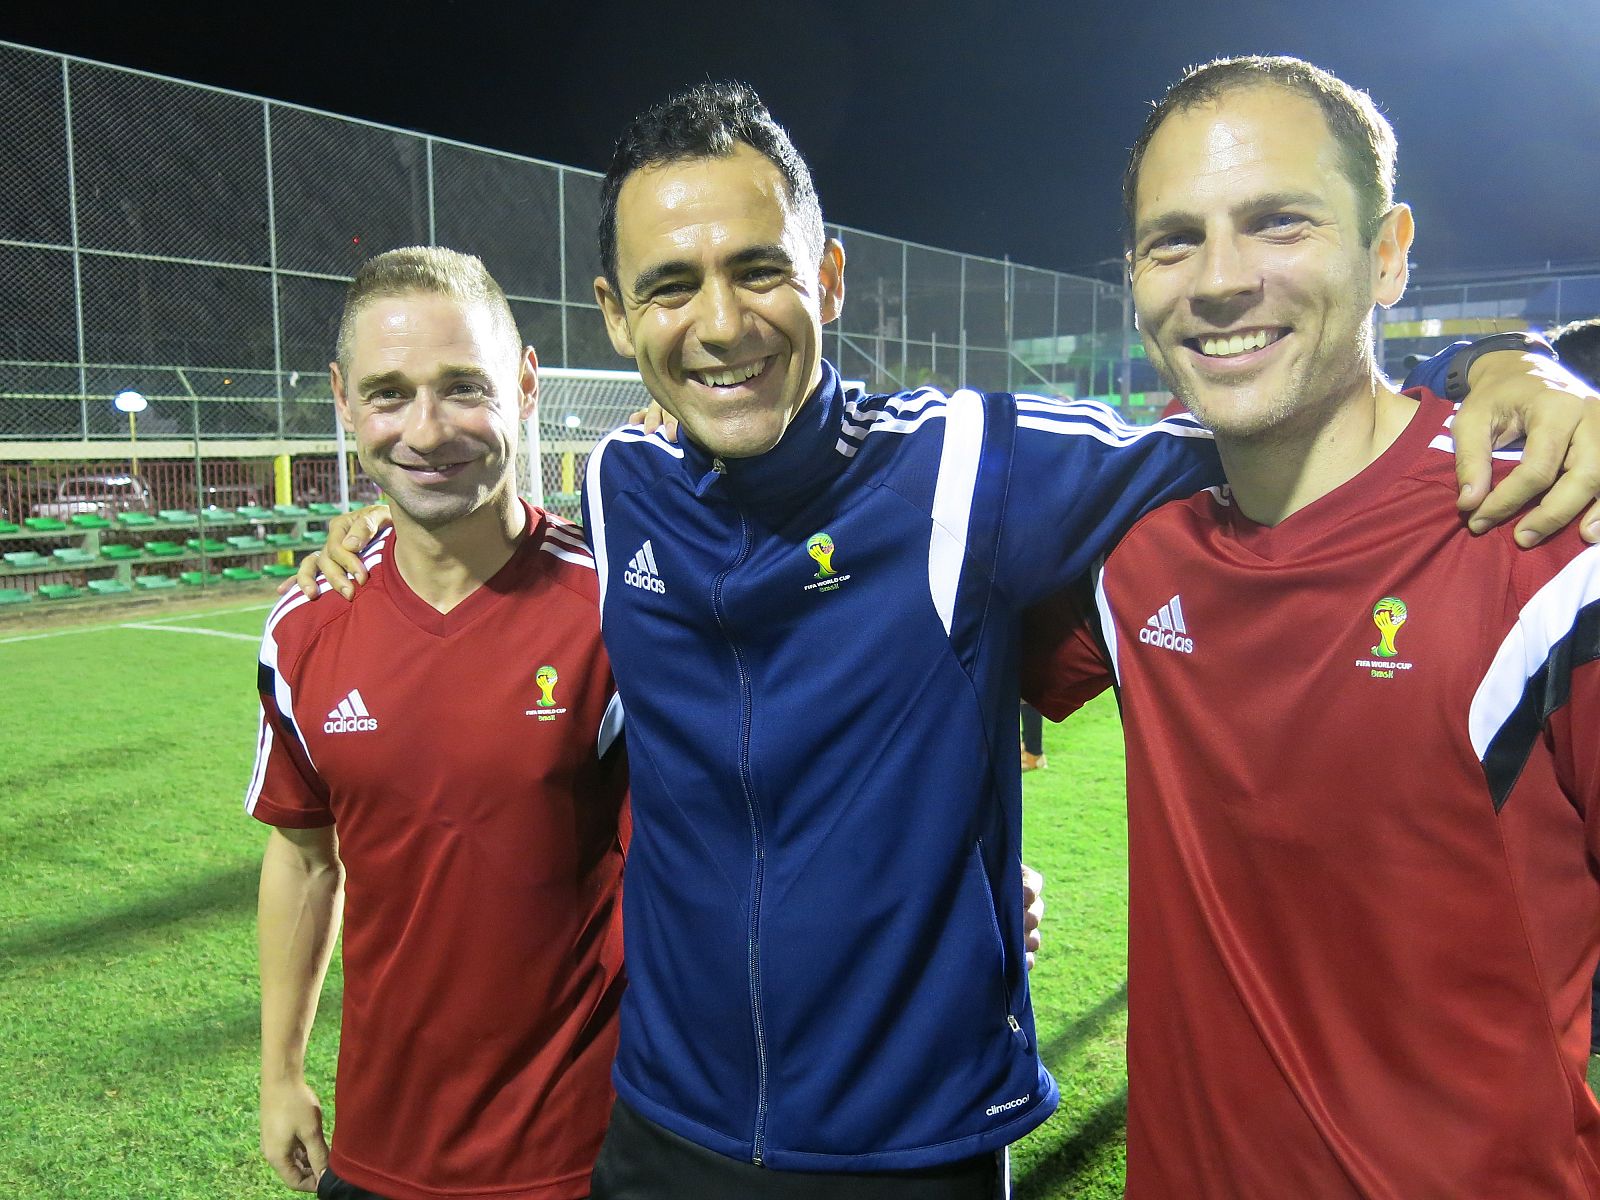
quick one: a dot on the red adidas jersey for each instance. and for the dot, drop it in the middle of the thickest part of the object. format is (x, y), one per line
(1364, 808)
(467, 760)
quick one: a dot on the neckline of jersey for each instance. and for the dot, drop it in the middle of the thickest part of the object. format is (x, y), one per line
(485, 597)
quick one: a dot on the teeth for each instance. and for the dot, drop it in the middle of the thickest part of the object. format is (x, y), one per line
(1239, 343)
(730, 376)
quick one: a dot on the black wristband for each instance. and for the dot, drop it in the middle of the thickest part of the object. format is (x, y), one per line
(1455, 377)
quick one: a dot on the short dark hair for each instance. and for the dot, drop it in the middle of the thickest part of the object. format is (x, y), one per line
(707, 121)
(1578, 344)
(1365, 137)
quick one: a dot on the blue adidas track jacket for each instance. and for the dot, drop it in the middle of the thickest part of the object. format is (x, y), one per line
(817, 652)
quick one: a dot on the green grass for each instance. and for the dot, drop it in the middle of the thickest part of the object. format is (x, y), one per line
(127, 893)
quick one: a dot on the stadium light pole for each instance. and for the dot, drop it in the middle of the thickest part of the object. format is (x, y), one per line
(133, 403)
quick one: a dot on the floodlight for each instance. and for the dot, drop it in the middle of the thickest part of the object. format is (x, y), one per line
(129, 401)
(572, 421)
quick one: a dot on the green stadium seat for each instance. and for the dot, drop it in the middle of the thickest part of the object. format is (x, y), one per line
(59, 591)
(26, 560)
(9, 527)
(196, 578)
(178, 516)
(291, 510)
(133, 520)
(90, 521)
(108, 587)
(245, 541)
(163, 549)
(44, 524)
(284, 541)
(255, 512)
(277, 571)
(324, 509)
(14, 596)
(240, 574)
(217, 515)
(208, 545)
(75, 556)
(154, 583)
(120, 552)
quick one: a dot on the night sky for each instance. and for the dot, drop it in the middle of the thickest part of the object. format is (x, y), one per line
(996, 128)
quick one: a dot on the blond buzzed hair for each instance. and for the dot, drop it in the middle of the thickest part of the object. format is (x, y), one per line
(432, 271)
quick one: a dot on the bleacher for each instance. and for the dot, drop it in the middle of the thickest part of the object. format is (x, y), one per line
(87, 555)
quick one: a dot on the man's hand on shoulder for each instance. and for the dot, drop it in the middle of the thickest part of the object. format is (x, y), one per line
(339, 560)
(1520, 394)
(1032, 910)
(291, 1133)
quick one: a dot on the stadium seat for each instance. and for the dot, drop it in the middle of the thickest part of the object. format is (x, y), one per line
(277, 571)
(133, 520)
(244, 541)
(9, 527)
(291, 510)
(74, 556)
(163, 549)
(208, 545)
(108, 587)
(89, 521)
(154, 583)
(26, 560)
(14, 596)
(196, 578)
(178, 516)
(44, 524)
(58, 591)
(283, 541)
(240, 574)
(324, 509)
(217, 515)
(120, 552)
(255, 512)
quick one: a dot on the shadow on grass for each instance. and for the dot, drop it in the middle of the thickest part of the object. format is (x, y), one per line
(1062, 1165)
(229, 891)
(1085, 1027)
(199, 1036)
(114, 759)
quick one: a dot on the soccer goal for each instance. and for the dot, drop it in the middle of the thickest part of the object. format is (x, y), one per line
(576, 409)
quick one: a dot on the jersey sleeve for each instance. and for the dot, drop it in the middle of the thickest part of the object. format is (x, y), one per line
(284, 787)
(1430, 372)
(1064, 665)
(1079, 477)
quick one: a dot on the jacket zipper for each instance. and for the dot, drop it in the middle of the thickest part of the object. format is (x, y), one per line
(748, 785)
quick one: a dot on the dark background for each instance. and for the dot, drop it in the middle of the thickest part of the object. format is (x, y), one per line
(996, 128)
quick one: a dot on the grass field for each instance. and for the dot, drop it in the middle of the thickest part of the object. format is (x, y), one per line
(127, 894)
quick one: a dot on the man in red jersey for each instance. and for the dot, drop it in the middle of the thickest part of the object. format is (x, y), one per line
(1363, 780)
(482, 943)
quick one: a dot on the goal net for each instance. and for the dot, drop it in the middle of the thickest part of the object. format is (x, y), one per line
(576, 409)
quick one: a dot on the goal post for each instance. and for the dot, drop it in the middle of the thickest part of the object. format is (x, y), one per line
(576, 409)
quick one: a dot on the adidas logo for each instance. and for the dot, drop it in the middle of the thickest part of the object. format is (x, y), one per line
(642, 573)
(1167, 630)
(350, 715)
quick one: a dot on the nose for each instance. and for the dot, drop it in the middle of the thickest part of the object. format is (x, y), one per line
(426, 428)
(719, 320)
(1225, 271)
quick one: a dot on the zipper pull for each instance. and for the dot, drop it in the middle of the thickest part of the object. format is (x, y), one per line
(1016, 1026)
(720, 467)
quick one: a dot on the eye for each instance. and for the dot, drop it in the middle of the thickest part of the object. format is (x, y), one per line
(768, 274)
(468, 388)
(1281, 223)
(675, 290)
(1172, 246)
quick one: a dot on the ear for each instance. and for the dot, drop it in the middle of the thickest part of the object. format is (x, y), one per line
(341, 403)
(616, 316)
(830, 280)
(528, 384)
(1391, 249)
(1127, 280)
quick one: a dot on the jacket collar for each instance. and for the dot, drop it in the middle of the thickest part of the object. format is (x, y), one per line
(804, 459)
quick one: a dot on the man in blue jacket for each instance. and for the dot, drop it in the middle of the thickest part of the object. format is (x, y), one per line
(811, 603)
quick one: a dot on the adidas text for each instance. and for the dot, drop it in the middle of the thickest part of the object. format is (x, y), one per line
(350, 715)
(350, 725)
(1166, 639)
(642, 573)
(650, 583)
(1168, 629)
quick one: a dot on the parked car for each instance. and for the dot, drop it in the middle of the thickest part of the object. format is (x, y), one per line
(104, 495)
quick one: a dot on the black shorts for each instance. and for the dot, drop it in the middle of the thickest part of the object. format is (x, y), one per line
(331, 1187)
(640, 1160)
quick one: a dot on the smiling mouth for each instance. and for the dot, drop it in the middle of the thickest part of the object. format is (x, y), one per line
(1231, 345)
(729, 377)
(442, 469)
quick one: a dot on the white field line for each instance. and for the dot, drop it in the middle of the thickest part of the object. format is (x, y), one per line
(243, 637)
(165, 621)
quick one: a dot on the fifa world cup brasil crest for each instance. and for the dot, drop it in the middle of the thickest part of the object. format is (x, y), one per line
(820, 547)
(1388, 615)
(545, 677)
